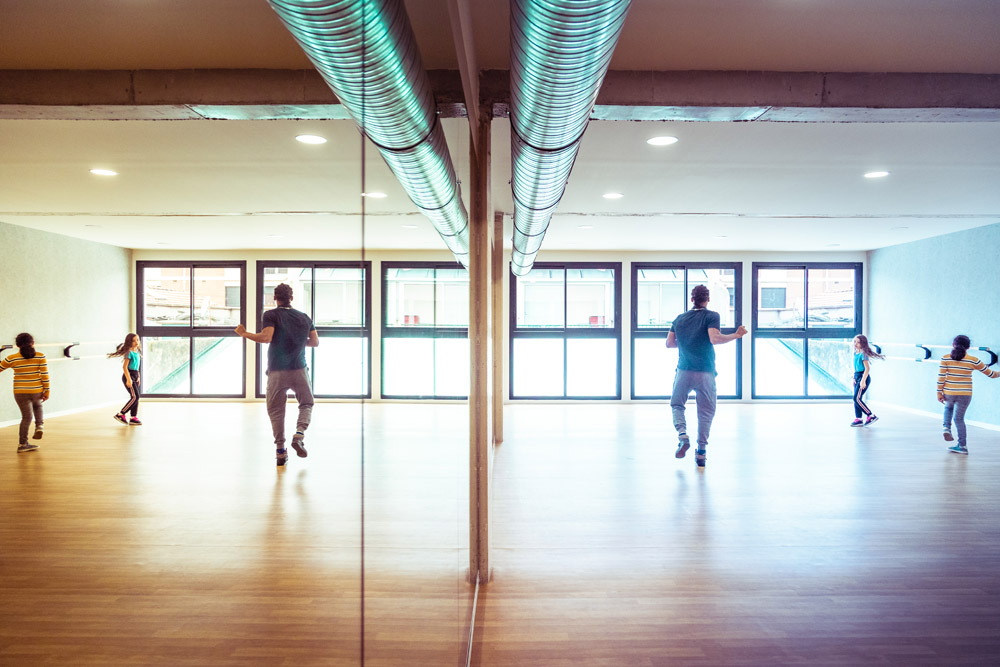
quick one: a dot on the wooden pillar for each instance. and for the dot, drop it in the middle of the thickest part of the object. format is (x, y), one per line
(499, 349)
(480, 342)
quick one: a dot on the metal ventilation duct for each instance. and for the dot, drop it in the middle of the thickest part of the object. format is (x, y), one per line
(366, 53)
(560, 50)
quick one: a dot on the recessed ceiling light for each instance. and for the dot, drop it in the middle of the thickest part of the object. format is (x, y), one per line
(876, 174)
(585, 227)
(310, 139)
(409, 226)
(661, 141)
(374, 195)
(613, 195)
(103, 172)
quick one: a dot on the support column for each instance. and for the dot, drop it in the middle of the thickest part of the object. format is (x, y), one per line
(480, 342)
(499, 350)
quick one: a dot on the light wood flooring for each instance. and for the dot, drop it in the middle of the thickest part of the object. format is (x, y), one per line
(804, 542)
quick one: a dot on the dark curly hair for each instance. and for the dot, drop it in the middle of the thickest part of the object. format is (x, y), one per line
(283, 293)
(26, 345)
(699, 295)
(960, 346)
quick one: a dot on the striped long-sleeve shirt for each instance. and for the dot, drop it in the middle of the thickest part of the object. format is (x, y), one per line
(955, 376)
(31, 376)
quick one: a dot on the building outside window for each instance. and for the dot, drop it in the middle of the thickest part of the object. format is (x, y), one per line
(804, 319)
(425, 330)
(565, 331)
(661, 292)
(186, 313)
(337, 296)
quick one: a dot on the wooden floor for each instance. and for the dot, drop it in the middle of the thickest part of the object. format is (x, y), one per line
(804, 542)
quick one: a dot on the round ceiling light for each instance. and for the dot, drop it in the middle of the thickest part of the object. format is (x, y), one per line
(876, 174)
(374, 195)
(310, 139)
(661, 141)
(103, 172)
(612, 195)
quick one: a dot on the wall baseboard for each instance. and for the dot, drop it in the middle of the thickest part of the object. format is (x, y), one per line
(63, 413)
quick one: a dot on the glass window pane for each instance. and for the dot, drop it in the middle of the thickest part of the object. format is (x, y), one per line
(211, 306)
(452, 306)
(590, 298)
(831, 298)
(410, 297)
(165, 365)
(778, 366)
(300, 280)
(831, 367)
(340, 297)
(341, 366)
(541, 300)
(538, 367)
(654, 367)
(591, 367)
(660, 297)
(218, 365)
(780, 298)
(166, 296)
(408, 366)
(725, 366)
(451, 367)
(721, 284)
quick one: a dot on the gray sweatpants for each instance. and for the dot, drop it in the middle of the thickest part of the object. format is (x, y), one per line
(703, 385)
(278, 384)
(28, 403)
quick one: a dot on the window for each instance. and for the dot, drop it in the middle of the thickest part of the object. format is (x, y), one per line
(661, 292)
(186, 314)
(804, 318)
(565, 328)
(425, 330)
(337, 296)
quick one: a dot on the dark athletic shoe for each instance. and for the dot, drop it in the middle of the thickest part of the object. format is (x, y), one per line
(871, 420)
(699, 457)
(300, 447)
(121, 419)
(959, 449)
(856, 423)
(38, 434)
(134, 422)
(947, 435)
(683, 443)
(26, 447)
(282, 457)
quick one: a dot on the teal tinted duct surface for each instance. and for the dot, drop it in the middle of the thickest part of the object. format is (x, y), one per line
(560, 51)
(366, 53)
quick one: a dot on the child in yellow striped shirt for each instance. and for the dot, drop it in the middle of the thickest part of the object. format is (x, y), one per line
(31, 387)
(954, 388)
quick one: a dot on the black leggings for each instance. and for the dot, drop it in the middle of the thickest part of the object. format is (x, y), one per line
(133, 394)
(859, 405)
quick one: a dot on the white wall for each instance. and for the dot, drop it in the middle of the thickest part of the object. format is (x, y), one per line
(61, 290)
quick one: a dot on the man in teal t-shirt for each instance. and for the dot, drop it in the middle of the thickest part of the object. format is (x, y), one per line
(695, 333)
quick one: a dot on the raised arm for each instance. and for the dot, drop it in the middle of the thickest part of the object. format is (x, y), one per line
(263, 337)
(718, 338)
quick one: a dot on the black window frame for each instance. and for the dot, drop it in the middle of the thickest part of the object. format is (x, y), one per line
(661, 332)
(364, 331)
(805, 332)
(414, 331)
(565, 332)
(191, 332)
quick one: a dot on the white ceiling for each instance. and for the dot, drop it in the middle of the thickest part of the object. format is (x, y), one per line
(761, 186)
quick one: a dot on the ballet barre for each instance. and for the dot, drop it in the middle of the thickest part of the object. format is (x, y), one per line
(67, 349)
(927, 354)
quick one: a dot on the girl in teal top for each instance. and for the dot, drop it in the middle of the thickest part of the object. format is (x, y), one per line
(862, 380)
(131, 353)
